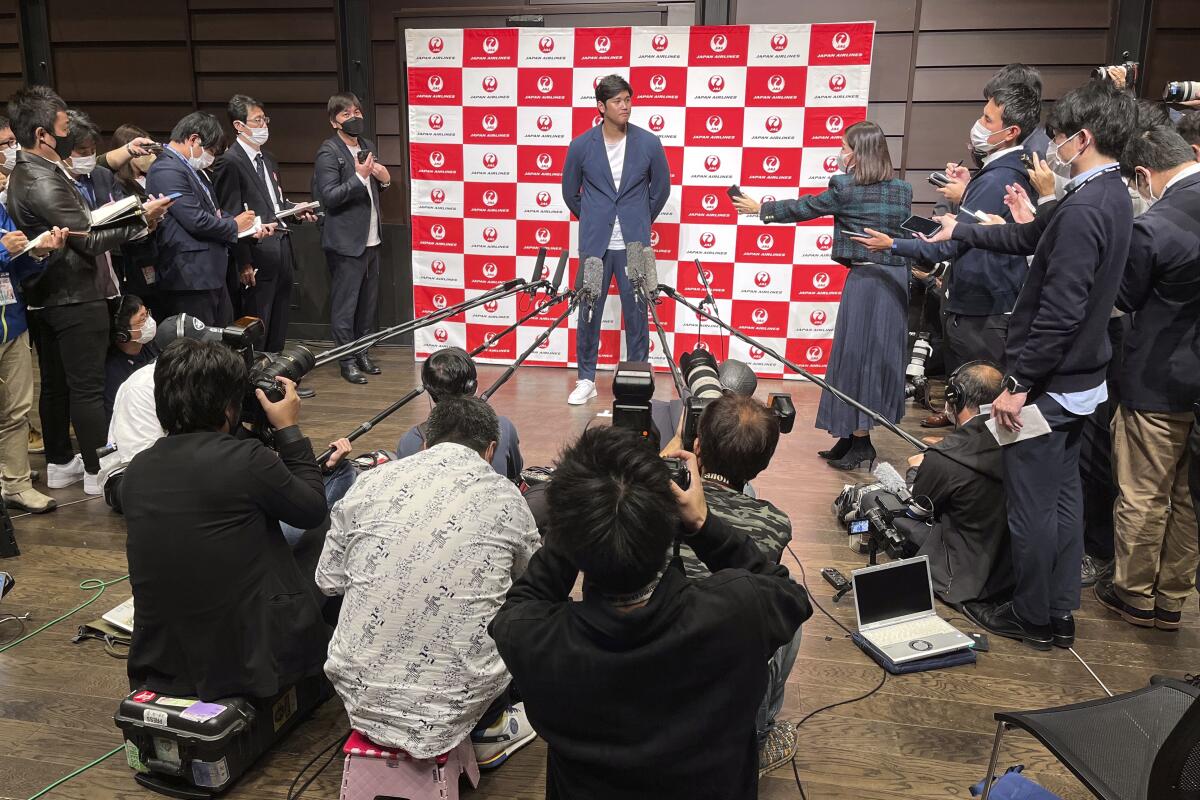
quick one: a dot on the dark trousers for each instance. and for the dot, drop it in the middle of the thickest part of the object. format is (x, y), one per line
(72, 341)
(353, 295)
(270, 300)
(1194, 467)
(496, 710)
(210, 306)
(1096, 475)
(971, 338)
(637, 334)
(1045, 516)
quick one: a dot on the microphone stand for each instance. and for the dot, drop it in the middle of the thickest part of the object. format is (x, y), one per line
(845, 398)
(414, 393)
(575, 297)
(639, 285)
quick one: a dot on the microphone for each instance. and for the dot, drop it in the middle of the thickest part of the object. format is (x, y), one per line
(633, 263)
(591, 274)
(649, 273)
(891, 480)
(538, 265)
(559, 271)
(708, 295)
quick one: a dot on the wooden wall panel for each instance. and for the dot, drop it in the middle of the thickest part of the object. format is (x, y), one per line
(282, 25)
(87, 21)
(889, 15)
(272, 57)
(972, 15)
(147, 74)
(1173, 54)
(11, 68)
(966, 84)
(997, 48)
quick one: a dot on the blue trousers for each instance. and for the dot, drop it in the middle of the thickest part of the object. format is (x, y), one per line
(637, 335)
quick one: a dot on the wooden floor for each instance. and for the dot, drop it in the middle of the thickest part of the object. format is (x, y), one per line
(922, 736)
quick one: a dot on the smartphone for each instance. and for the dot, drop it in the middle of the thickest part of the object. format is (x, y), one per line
(362, 156)
(734, 192)
(1027, 160)
(921, 225)
(174, 195)
(939, 179)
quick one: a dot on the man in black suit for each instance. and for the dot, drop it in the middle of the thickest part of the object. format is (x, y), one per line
(347, 182)
(1154, 520)
(246, 176)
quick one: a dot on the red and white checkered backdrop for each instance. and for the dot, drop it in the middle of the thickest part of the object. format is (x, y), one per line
(492, 111)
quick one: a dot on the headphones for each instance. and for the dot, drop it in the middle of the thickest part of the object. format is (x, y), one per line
(954, 389)
(120, 332)
(458, 367)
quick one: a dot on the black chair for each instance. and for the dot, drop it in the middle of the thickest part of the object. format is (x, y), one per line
(1144, 745)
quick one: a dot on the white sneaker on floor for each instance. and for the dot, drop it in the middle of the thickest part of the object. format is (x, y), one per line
(91, 484)
(584, 390)
(511, 732)
(60, 476)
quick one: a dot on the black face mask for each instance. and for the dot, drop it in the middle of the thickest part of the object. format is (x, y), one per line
(63, 145)
(354, 127)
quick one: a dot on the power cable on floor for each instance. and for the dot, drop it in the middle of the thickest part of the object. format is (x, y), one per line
(91, 584)
(76, 773)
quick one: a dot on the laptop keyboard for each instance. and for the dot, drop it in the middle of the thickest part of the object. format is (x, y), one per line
(907, 631)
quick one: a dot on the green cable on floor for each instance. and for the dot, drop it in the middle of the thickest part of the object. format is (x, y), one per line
(77, 772)
(89, 585)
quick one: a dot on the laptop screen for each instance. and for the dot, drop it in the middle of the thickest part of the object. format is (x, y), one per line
(897, 591)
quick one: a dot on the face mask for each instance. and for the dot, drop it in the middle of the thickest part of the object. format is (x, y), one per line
(1055, 163)
(149, 328)
(63, 145)
(353, 127)
(981, 138)
(1148, 195)
(202, 161)
(83, 165)
(257, 136)
(10, 158)
(844, 162)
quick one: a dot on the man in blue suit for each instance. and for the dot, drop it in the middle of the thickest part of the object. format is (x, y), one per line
(194, 238)
(616, 181)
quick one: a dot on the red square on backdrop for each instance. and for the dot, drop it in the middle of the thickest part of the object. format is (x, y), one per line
(666, 315)
(434, 86)
(532, 234)
(825, 127)
(437, 234)
(432, 162)
(675, 164)
(664, 238)
(546, 314)
(840, 43)
(761, 317)
(482, 200)
(719, 275)
(505, 347)
(490, 47)
(540, 163)
(430, 299)
(490, 125)
(771, 166)
(772, 244)
(810, 354)
(659, 86)
(544, 86)
(711, 45)
(776, 86)
(484, 272)
(583, 119)
(602, 47)
(714, 126)
(818, 282)
(706, 204)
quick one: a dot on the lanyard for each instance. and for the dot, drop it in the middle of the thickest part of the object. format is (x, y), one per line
(1091, 178)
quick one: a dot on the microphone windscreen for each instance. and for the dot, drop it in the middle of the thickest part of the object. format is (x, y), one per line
(649, 270)
(633, 260)
(593, 274)
(892, 480)
(538, 265)
(737, 377)
(559, 270)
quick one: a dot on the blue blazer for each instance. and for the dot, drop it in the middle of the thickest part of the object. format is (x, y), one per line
(592, 196)
(193, 240)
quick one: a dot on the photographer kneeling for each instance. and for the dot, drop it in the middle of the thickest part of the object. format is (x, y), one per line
(621, 685)
(962, 477)
(222, 607)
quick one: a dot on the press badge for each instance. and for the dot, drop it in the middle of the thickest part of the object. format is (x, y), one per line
(149, 274)
(7, 295)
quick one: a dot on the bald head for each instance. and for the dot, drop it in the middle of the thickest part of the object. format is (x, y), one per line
(979, 385)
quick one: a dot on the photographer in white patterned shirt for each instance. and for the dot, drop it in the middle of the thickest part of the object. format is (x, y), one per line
(424, 550)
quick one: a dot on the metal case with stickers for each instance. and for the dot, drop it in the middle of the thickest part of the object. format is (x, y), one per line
(182, 747)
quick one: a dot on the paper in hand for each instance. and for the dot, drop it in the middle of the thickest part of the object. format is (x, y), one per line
(1033, 425)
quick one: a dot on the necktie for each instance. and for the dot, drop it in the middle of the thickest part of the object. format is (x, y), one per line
(260, 165)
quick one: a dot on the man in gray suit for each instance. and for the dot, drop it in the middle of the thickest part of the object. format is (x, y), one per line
(616, 181)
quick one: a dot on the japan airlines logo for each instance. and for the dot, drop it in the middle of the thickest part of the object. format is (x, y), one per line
(814, 353)
(436, 44)
(490, 45)
(718, 42)
(756, 354)
(596, 120)
(439, 301)
(708, 276)
(490, 306)
(776, 84)
(545, 122)
(763, 279)
(657, 123)
(435, 83)
(837, 82)
(765, 242)
(767, 198)
(490, 122)
(774, 124)
(653, 238)
(490, 160)
(770, 165)
(436, 122)
(490, 198)
(779, 42)
(545, 84)
(824, 242)
(544, 161)
(659, 43)
(714, 123)
(841, 41)
(543, 199)
(546, 44)
(542, 235)
(545, 345)
(438, 232)
(490, 84)
(817, 317)
(716, 84)
(489, 337)
(835, 123)
(712, 163)
(438, 267)
(603, 44)
(658, 83)
(596, 81)
(490, 270)
(441, 335)
(709, 202)
(831, 164)
(707, 240)
(438, 196)
(760, 316)
(437, 159)
(490, 234)
(821, 280)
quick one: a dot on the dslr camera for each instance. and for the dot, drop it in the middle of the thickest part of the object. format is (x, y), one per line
(243, 336)
(702, 377)
(1128, 68)
(1181, 91)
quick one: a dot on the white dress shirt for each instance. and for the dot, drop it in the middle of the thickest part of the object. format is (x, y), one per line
(268, 183)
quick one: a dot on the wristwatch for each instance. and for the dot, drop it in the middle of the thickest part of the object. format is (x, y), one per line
(1013, 386)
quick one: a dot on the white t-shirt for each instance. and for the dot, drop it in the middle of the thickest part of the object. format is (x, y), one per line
(135, 424)
(373, 232)
(616, 162)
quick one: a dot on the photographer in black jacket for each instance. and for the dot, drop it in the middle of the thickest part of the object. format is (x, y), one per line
(620, 685)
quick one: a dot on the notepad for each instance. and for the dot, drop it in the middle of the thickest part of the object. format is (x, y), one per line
(117, 211)
(253, 229)
(299, 208)
(1033, 425)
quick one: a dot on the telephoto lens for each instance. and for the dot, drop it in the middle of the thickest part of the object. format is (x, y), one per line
(700, 373)
(1181, 91)
(292, 362)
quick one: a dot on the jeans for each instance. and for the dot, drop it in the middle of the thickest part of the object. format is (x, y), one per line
(779, 666)
(336, 486)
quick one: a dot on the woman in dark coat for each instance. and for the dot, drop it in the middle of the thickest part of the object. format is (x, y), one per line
(871, 333)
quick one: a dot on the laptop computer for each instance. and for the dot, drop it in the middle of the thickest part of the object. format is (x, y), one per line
(894, 604)
(121, 617)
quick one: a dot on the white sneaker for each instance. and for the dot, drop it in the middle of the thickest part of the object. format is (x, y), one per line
(584, 390)
(60, 476)
(91, 484)
(511, 732)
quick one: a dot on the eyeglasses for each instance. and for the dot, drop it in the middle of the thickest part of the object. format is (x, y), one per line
(256, 121)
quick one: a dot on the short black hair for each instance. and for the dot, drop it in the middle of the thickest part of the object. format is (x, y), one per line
(612, 512)
(342, 101)
(468, 421)
(1188, 127)
(737, 437)
(1020, 104)
(239, 107)
(1014, 73)
(83, 130)
(127, 306)
(979, 385)
(196, 384)
(449, 372)
(1158, 149)
(32, 108)
(202, 124)
(610, 86)
(4, 122)
(1151, 114)
(1110, 114)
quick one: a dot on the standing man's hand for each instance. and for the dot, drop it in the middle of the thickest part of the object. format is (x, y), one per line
(364, 169)
(1006, 410)
(380, 173)
(246, 276)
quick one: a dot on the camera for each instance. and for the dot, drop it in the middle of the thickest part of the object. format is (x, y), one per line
(262, 368)
(362, 156)
(678, 469)
(1181, 91)
(700, 373)
(1027, 161)
(917, 386)
(1128, 68)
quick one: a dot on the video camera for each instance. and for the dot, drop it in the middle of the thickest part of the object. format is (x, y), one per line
(704, 382)
(870, 510)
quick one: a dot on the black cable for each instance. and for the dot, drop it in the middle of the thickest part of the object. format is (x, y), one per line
(341, 740)
(811, 596)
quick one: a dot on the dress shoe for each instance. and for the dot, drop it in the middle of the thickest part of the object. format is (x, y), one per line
(367, 365)
(861, 452)
(1094, 569)
(1106, 593)
(30, 500)
(938, 420)
(838, 451)
(351, 373)
(304, 393)
(1003, 620)
(1062, 630)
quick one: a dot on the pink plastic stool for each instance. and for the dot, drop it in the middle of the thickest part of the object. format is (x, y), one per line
(374, 772)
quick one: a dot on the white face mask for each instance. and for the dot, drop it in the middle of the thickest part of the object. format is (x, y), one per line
(10, 158)
(146, 335)
(202, 161)
(844, 164)
(1055, 162)
(981, 138)
(1149, 195)
(257, 136)
(83, 165)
